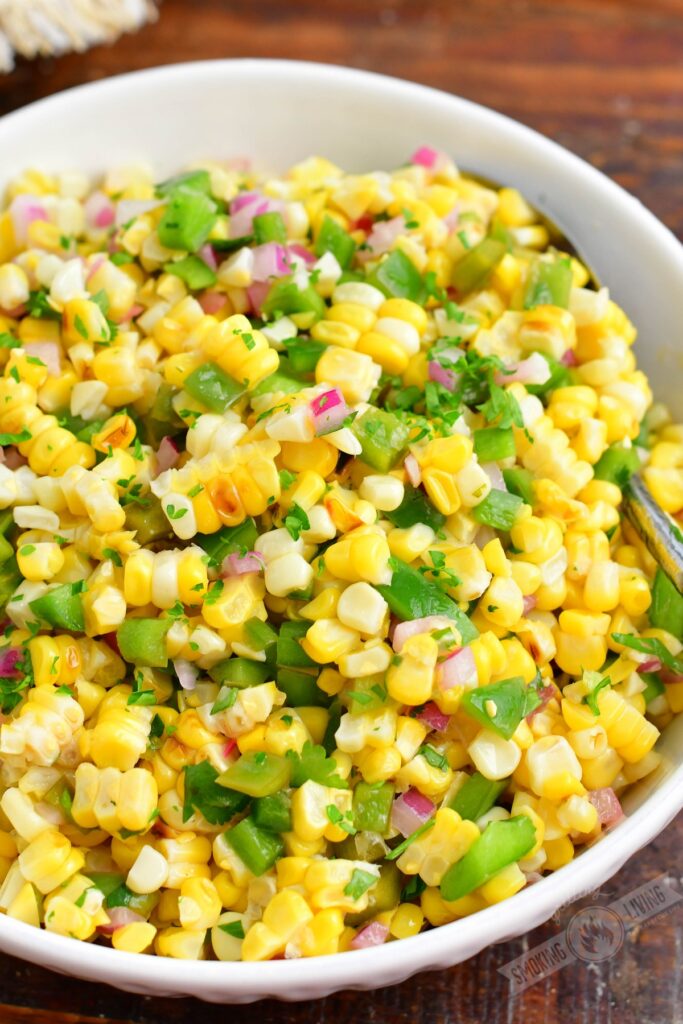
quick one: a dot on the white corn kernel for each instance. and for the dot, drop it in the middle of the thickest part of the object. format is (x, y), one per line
(149, 872)
(363, 608)
(287, 573)
(385, 492)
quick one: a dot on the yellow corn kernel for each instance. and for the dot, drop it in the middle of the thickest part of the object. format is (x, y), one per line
(411, 680)
(442, 490)
(503, 885)
(134, 938)
(578, 653)
(558, 852)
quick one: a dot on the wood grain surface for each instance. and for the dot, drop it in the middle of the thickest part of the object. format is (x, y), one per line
(604, 78)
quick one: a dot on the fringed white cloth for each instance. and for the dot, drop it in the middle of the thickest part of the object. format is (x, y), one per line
(41, 28)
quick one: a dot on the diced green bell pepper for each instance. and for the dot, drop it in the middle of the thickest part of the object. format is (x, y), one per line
(148, 521)
(415, 508)
(189, 181)
(398, 277)
(61, 607)
(666, 610)
(512, 699)
(187, 220)
(301, 689)
(283, 380)
(549, 283)
(256, 774)
(304, 354)
(494, 443)
(520, 482)
(213, 387)
(269, 227)
(654, 687)
(498, 509)
(383, 438)
(500, 844)
(256, 847)
(143, 641)
(477, 796)
(385, 895)
(617, 465)
(6, 521)
(227, 541)
(473, 269)
(372, 803)
(273, 813)
(286, 297)
(261, 636)
(411, 596)
(10, 578)
(6, 550)
(333, 238)
(289, 652)
(240, 672)
(193, 271)
(117, 894)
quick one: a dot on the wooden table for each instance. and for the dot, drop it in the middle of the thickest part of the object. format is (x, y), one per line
(603, 77)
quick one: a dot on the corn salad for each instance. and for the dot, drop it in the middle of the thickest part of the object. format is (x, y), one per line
(322, 625)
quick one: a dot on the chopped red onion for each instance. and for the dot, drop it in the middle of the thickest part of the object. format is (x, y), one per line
(383, 235)
(410, 810)
(187, 673)
(167, 455)
(650, 665)
(329, 411)
(211, 302)
(667, 676)
(119, 917)
(245, 207)
(48, 352)
(484, 535)
(460, 669)
(607, 804)
(534, 370)
(257, 294)
(545, 694)
(207, 254)
(228, 747)
(130, 209)
(442, 375)
(425, 156)
(239, 565)
(243, 199)
(529, 603)
(374, 934)
(433, 717)
(412, 468)
(13, 458)
(495, 475)
(135, 310)
(532, 877)
(452, 218)
(99, 210)
(8, 662)
(404, 630)
(23, 210)
(50, 812)
(569, 358)
(303, 253)
(270, 260)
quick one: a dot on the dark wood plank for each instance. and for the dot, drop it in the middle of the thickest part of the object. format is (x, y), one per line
(603, 77)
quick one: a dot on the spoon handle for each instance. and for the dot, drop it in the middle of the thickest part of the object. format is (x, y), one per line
(657, 529)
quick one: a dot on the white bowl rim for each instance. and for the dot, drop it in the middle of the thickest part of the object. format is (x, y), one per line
(441, 946)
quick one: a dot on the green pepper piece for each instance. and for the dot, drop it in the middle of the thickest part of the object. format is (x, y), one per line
(189, 181)
(415, 508)
(269, 227)
(261, 636)
(193, 271)
(477, 796)
(361, 846)
(372, 803)
(500, 844)
(498, 509)
(10, 578)
(286, 297)
(666, 610)
(228, 540)
(148, 521)
(304, 354)
(273, 813)
(332, 238)
(397, 276)
(140, 903)
(513, 701)
(290, 653)
(6, 550)
(335, 711)
(385, 895)
(411, 596)
(61, 607)
(494, 443)
(6, 521)
(106, 881)
(187, 220)
(383, 437)
(283, 380)
(239, 672)
(301, 689)
(473, 270)
(256, 774)
(617, 465)
(560, 376)
(520, 482)
(256, 847)
(143, 641)
(654, 687)
(549, 283)
(213, 387)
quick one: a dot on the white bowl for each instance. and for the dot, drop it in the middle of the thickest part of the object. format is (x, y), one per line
(279, 112)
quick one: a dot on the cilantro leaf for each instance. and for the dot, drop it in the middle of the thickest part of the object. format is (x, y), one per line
(296, 520)
(313, 763)
(360, 882)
